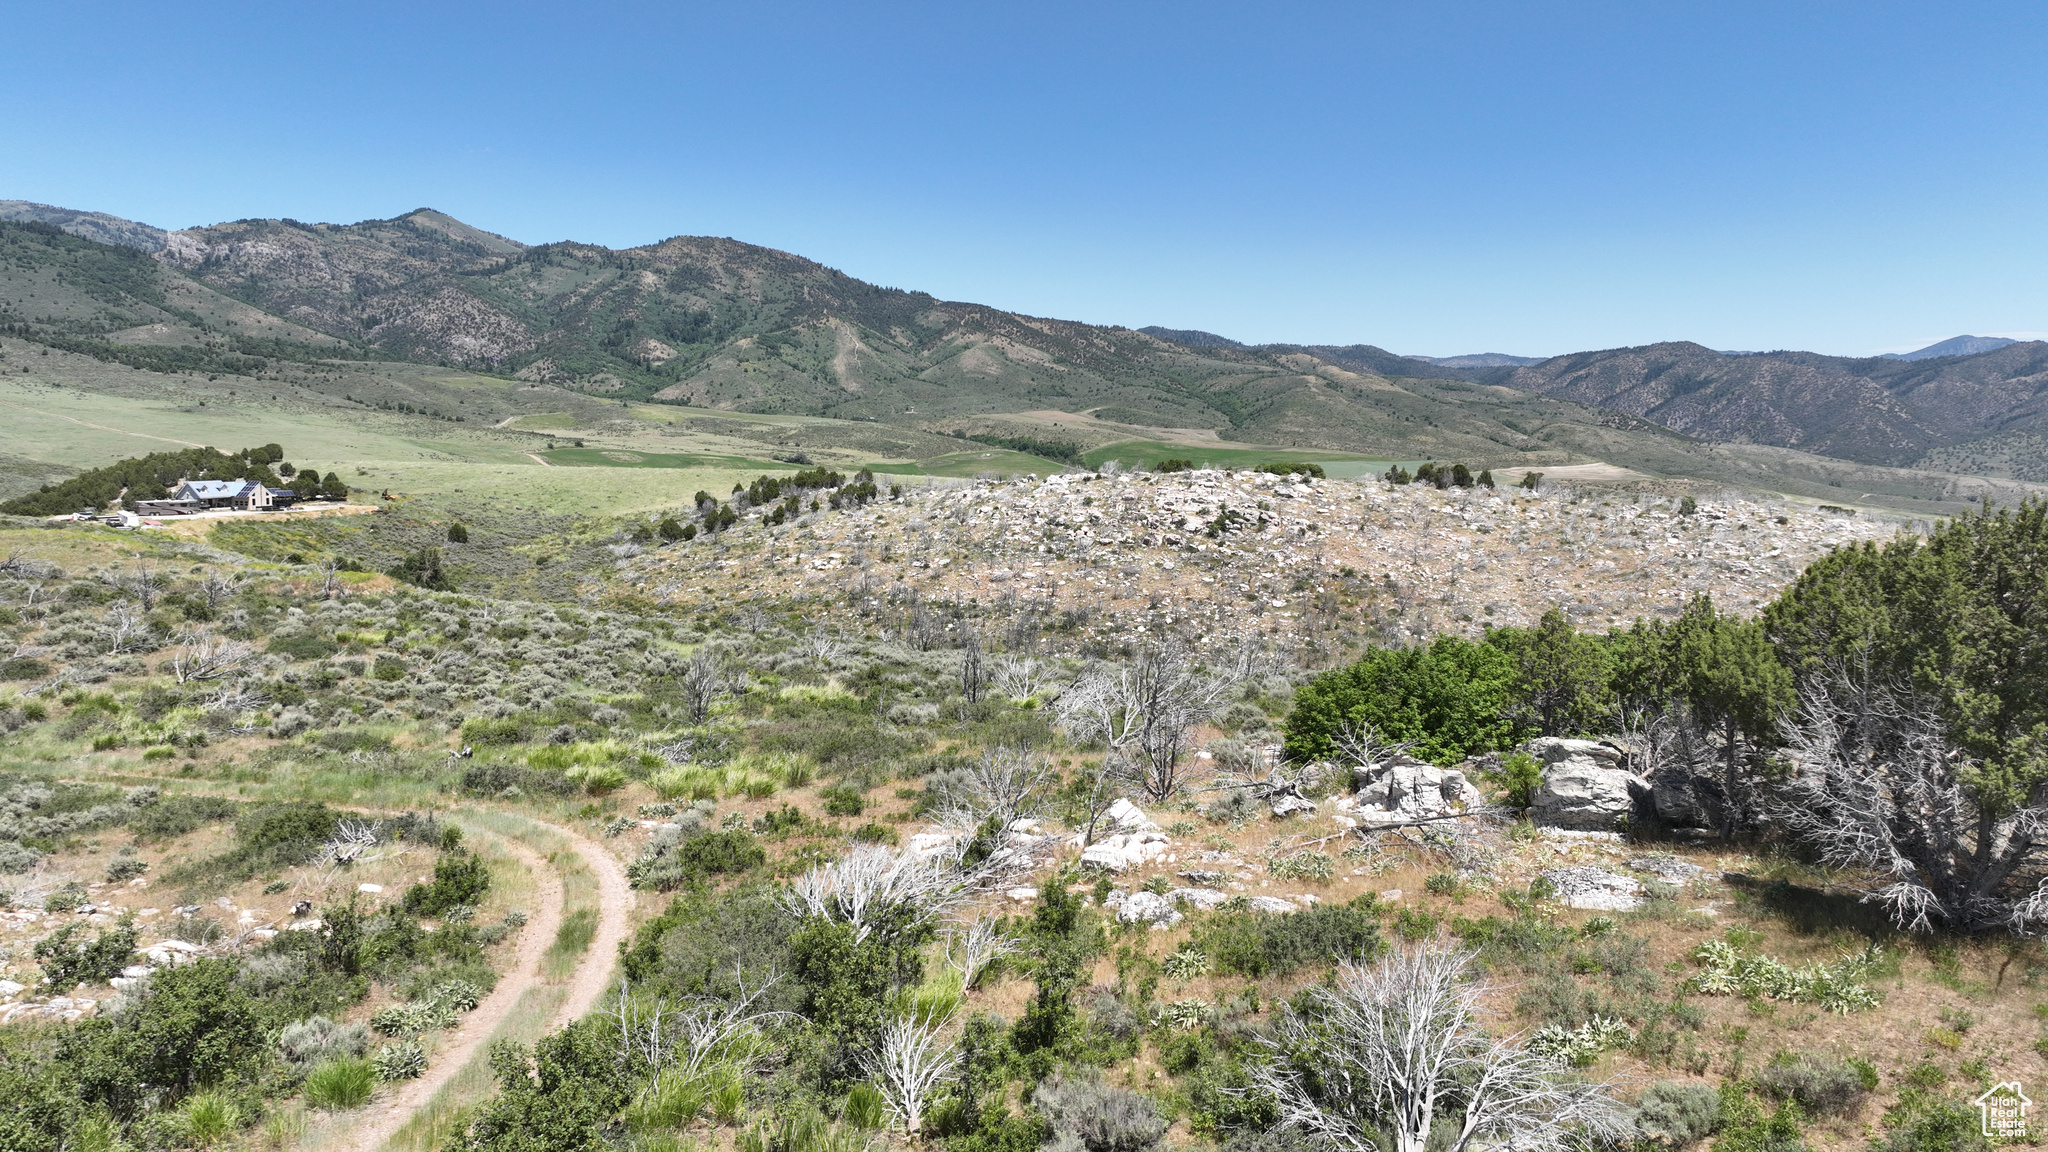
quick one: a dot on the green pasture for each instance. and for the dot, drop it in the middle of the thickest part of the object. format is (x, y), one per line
(635, 458)
(1147, 454)
(1000, 461)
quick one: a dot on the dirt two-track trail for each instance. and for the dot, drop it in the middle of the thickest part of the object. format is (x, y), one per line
(386, 1116)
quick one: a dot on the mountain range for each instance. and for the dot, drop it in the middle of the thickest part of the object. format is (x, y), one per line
(714, 322)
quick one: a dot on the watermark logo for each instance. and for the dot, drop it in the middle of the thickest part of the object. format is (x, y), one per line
(2003, 1109)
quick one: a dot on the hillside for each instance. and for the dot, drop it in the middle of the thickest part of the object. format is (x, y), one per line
(116, 303)
(718, 324)
(1876, 410)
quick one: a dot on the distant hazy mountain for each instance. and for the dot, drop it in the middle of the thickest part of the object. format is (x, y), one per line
(1479, 360)
(1954, 346)
(91, 225)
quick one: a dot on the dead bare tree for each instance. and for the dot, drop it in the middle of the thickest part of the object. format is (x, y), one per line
(146, 585)
(680, 1041)
(972, 947)
(877, 888)
(207, 657)
(1246, 655)
(822, 647)
(1878, 788)
(1273, 782)
(1401, 1047)
(351, 840)
(1022, 677)
(127, 630)
(1361, 744)
(973, 671)
(217, 588)
(1004, 784)
(330, 582)
(1144, 712)
(238, 697)
(908, 1065)
(706, 678)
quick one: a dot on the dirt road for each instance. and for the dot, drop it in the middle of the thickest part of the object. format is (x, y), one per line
(585, 985)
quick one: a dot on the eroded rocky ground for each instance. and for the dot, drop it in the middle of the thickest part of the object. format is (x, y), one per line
(1215, 553)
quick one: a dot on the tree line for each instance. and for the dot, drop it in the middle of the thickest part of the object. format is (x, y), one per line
(151, 477)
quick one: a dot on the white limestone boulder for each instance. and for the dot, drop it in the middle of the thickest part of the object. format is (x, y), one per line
(1403, 789)
(1584, 786)
(1148, 908)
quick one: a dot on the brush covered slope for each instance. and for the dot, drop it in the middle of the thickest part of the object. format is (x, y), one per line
(1078, 958)
(1876, 410)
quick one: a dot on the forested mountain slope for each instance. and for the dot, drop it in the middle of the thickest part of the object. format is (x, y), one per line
(1878, 410)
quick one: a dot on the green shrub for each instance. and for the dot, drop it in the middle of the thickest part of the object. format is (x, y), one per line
(669, 864)
(1747, 1128)
(354, 740)
(491, 778)
(1450, 699)
(1260, 944)
(721, 853)
(341, 1084)
(509, 730)
(1099, 1117)
(197, 1026)
(597, 779)
(842, 801)
(388, 668)
(458, 880)
(267, 837)
(209, 1118)
(865, 1107)
(400, 1060)
(66, 899)
(1919, 1123)
(23, 668)
(1518, 778)
(1728, 970)
(1307, 865)
(309, 1043)
(68, 960)
(1820, 1085)
(1676, 1115)
(874, 832)
(303, 646)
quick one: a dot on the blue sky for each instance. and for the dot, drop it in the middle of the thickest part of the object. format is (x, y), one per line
(1434, 178)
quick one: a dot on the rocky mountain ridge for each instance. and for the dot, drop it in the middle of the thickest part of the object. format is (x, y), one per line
(1875, 410)
(718, 323)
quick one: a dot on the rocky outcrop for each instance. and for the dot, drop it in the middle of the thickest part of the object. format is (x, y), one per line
(1668, 870)
(1595, 889)
(1123, 850)
(1676, 797)
(1584, 786)
(1146, 908)
(1404, 789)
(1203, 899)
(1131, 839)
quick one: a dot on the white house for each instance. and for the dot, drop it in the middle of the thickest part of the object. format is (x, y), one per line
(244, 494)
